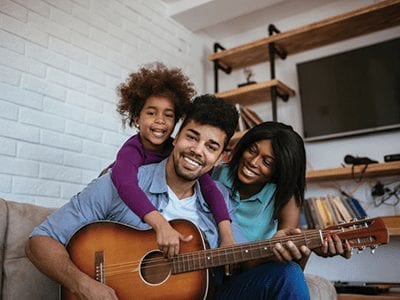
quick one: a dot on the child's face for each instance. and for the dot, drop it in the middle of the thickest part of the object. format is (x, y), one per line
(156, 122)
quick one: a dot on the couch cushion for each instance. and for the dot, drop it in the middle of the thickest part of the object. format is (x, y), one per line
(320, 288)
(21, 280)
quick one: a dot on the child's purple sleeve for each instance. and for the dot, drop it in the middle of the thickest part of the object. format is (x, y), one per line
(124, 176)
(214, 198)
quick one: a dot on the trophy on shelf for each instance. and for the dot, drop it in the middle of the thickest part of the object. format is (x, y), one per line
(248, 73)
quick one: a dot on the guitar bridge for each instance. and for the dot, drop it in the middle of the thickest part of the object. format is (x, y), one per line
(99, 266)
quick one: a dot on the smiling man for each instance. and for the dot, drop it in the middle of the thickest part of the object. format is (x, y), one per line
(171, 185)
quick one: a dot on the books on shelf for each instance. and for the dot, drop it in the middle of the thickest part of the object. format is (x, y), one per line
(357, 208)
(247, 118)
(321, 212)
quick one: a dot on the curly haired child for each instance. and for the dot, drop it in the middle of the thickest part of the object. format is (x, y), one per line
(153, 100)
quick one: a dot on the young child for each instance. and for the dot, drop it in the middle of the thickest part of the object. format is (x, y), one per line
(154, 99)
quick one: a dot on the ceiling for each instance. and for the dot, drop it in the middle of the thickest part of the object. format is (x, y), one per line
(223, 18)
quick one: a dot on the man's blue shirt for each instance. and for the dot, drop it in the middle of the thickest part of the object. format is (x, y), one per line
(100, 201)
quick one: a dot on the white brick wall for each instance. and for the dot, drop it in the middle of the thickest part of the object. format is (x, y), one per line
(60, 62)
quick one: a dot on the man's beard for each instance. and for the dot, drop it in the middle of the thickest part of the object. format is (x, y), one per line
(186, 174)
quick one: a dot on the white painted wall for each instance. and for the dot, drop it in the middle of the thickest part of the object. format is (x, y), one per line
(329, 154)
(60, 62)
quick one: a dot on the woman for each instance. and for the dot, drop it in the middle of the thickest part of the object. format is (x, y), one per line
(266, 177)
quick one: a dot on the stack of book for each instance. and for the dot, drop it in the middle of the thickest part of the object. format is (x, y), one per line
(320, 212)
(247, 119)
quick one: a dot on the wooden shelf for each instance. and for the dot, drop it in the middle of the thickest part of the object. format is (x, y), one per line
(255, 93)
(393, 224)
(372, 170)
(383, 296)
(368, 19)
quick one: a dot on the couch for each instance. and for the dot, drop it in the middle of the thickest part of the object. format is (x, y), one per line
(20, 280)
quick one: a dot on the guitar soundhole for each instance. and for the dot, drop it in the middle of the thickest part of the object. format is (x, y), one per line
(155, 268)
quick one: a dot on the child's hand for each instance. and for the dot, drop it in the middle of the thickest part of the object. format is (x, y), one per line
(168, 240)
(225, 232)
(167, 237)
(226, 242)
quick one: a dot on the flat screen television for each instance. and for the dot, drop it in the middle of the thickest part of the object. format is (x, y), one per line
(351, 93)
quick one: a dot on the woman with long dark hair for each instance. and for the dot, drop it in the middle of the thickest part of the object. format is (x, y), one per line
(266, 177)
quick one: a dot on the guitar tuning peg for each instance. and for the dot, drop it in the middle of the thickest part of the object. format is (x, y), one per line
(354, 220)
(360, 249)
(373, 248)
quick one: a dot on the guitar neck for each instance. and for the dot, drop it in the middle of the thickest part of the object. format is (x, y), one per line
(209, 258)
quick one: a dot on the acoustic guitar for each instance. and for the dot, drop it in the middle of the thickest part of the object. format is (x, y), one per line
(129, 261)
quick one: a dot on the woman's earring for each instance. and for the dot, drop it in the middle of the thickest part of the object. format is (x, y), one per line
(137, 126)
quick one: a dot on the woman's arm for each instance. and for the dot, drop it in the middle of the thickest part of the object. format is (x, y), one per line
(289, 215)
(288, 221)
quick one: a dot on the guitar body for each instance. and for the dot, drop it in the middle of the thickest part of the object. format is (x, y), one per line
(128, 260)
(125, 258)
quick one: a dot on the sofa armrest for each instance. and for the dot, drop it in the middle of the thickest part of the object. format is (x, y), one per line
(20, 278)
(3, 225)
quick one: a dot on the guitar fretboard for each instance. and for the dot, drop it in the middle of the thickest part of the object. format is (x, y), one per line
(193, 261)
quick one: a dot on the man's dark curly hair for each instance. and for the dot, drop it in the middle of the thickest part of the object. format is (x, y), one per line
(210, 110)
(154, 80)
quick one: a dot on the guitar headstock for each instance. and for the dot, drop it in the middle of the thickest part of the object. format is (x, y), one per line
(362, 233)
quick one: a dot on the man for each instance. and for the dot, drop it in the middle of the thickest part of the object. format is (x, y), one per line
(198, 147)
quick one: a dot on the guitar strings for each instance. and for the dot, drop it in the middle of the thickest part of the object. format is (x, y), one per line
(222, 252)
(133, 266)
(122, 268)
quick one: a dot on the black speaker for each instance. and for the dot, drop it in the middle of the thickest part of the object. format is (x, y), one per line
(356, 160)
(391, 157)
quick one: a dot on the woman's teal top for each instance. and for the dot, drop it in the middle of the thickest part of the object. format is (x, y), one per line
(254, 214)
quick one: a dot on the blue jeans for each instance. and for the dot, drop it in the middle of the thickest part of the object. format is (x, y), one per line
(272, 280)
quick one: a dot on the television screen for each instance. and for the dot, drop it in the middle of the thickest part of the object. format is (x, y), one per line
(351, 93)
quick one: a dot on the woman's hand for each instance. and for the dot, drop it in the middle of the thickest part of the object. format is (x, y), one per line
(288, 251)
(332, 246)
